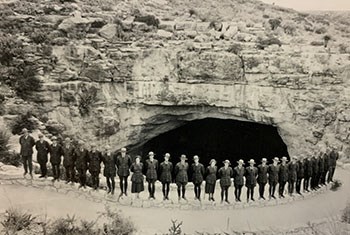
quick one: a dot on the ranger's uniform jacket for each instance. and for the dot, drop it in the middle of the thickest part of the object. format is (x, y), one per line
(262, 174)
(301, 170)
(238, 174)
(165, 170)
(82, 158)
(68, 155)
(110, 163)
(151, 169)
(250, 175)
(225, 175)
(137, 175)
(123, 164)
(197, 173)
(292, 171)
(95, 159)
(43, 148)
(273, 173)
(181, 172)
(283, 173)
(27, 144)
(55, 154)
(211, 175)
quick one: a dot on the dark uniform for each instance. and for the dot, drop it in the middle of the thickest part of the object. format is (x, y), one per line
(210, 180)
(292, 176)
(321, 169)
(273, 179)
(95, 159)
(326, 167)
(262, 179)
(123, 164)
(26, 152)
(43, 148)
(81, 163)
(315, 173)
(137, 178)
(165, 176)
(333, 157)
(110, 170)
(55, 159)
(225, 175)
(151, 175)
(282, 178)
(181, 177)
(197, 178)
(307, 173)
(69, 161)
(251, 172)
(238, 181)
(300, 176)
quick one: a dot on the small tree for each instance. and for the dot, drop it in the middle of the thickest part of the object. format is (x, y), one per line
(275, 23)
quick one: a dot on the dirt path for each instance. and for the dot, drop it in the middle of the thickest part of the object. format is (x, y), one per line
(157, 220)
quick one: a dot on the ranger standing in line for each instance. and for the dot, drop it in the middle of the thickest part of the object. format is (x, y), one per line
(300, 174)
(68, 160)
(43, 148)
(321, 168)
(315, 173)
(81, 163)
(225, 174)
(55, 158)
(307, 173)
(333, 157)
(238, 179)
(181, 176)
(95, 159)
(123, 164)
(251, 172)
(292, 174)
(165, 170)
(262, 177)
(197, 176)
(27, 142)
(151, 174)
(110, 170)
(210, 180)
(326, 166)
(273, 177)
(137, 185)
(282, 176)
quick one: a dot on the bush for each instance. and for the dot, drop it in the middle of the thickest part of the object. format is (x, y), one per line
(175, 228)
(4, 141)
(16, 220)
(251, 62)
(345, 218)
(38, 37)
(275, 23)
(69, 226)
(10, 49)
(289, 28)
(321, 30)
(263, 43)
(87, 98)
(23, 121)
(150, 20)
(117, 224)
(235, 48)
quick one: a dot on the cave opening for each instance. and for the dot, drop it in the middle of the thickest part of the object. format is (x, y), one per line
(219, 139)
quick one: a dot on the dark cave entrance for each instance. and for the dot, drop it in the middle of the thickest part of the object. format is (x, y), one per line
(220, 139)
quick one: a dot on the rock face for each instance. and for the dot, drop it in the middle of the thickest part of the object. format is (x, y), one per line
(108, 89)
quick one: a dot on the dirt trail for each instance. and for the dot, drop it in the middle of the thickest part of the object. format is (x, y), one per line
(157, 220)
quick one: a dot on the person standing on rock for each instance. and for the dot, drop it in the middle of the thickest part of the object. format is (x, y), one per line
(225, 175)
(165, 175)
(123, 164)
(197, 177)
(181, 176)
(292, 175)
(42, 148)
(81, 163)
(69, 160)
(95, 159)
(238, 179)
(333, 157)
(251, 172)
(137, 184)
(210, 180)
(27, 142)
(300, 174)
(307, 173)
(262, 177)
(315, 173)
(55, 158)
(282, 176)
(273, 177)
(151, 174)
(110, 169)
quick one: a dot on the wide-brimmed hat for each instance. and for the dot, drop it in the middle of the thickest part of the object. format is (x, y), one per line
(212, 160)
(54, 138)
(195, 157)
(183, 157)
(263, 160)
(295, 158)
(167, 155)
(240, 161)
(284, 159)
(227, 161)
(151, 153)
(251, 161)
(24, 130)
(67, 139)
(276, 159)
(123, 149)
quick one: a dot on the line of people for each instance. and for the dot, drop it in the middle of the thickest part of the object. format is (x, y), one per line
(313, 171)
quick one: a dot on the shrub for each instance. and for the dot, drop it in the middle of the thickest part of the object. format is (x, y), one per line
(150, 20)
(117, 224)
(336, 185)
(235, 48)
(4, 141)
(345, 218)
(87, 98)
(10, 49)
(16, 220)
(69, 226)
(38, 37)
(251, 62)
(23, 121)
(263, 43)
(321, 30)
(175, 228)
(275, 23)
(289, 28)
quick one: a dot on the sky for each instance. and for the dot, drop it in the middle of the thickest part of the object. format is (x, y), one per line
(313, 5)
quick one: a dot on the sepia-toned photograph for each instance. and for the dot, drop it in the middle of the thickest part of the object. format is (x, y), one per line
(174, 117)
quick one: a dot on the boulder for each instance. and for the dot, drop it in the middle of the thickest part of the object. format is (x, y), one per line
(230, 32)
(164, 34)
(108, 31)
